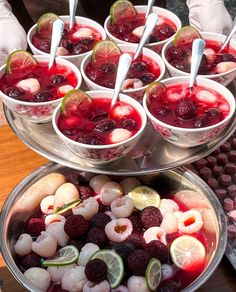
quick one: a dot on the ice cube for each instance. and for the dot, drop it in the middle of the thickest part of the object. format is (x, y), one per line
(31, 85)
(83, 32)
(138, 31)
(62, 90)
(118, 135)
(61, 51)
(174, 96)
(210, 54)
(225, 67)
(121, 111)
(132, 83)
(206, 97)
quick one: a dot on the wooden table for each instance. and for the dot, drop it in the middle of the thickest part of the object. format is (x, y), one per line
(17, 161)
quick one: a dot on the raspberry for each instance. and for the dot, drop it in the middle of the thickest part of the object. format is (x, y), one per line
(226, 58)
(151, 216)
(105, 125)
(80, 49)
(13, 92)
(31, 260)
(136, 221)
(108, 68)
(97, 236)
(43, 96)
(34, 226)
(157, 249)
(76, 226)
(44, 45)
(175, 52)
(96, 270)
(129, 124)
(86, 192)
(124, 249)
(87, 41)
(57, 79)
(167, 30)
(138, 67)
(138, 261)
(136, 238)
(201, 122)
(67, 44)
(94, 73)
(77, 243)
(185, 109)
(100, 220)
(147, 78)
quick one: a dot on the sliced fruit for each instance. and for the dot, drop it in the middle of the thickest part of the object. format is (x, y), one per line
(154, 89)
(115, 265)
(106, 52)
(74, 99)
(144, 196)
(122, 9)
(185, 35)
(153, 274)
(65, 256)
(187, 253)
(67, 207)
(20, 60)
(45, 22)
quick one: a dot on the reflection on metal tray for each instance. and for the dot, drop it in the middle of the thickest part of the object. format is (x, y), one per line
(152, 153)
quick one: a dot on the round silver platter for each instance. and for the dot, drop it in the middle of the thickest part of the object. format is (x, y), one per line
(151, 155)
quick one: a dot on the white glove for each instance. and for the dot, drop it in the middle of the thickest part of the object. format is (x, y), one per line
(12, 34)
(209, 16)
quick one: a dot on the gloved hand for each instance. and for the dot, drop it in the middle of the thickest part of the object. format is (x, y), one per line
(209, 16)
(12, 34)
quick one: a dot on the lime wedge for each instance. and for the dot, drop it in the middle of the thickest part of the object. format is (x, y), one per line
(67, 207)
(115, 265)
(106, 52)
(154, 89)
(187, 253)
(65, 256)
(185, 35)
(45, 22)
(20, 60)
(153, 274)
(73, 100)
(144, 196)
(121, 10)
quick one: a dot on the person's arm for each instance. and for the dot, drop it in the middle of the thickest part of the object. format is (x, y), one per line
(209, 15)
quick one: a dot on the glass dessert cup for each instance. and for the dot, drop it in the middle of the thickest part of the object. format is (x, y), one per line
(149, 56)
(19, 206)
(190, 137)
(102, 154)
(158, 45)
(41, 111)
(216, 39)
(74, 58)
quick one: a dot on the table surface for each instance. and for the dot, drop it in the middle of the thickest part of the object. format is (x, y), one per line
(17, 161)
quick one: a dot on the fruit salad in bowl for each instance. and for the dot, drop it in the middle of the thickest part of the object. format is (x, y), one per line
(99, 68)
(75, 43)
(216, 64)
(156, 232)
(31, 90)
(188, 117)
(94, 130)
(125, 24)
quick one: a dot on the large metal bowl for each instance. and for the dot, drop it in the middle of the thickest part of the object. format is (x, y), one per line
(14, 214)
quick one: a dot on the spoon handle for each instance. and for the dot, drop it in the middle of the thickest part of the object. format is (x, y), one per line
(197, 52)
(122, 70)
(57, 31)
(149, 7)
(72, 7)
(229, 35)
(148, 28)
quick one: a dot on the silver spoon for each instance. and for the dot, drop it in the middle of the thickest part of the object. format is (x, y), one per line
(148, 28)
(229, 35)
(197, 52)
(72, 7)
(122, 70)
(149, 7)
(57, 31)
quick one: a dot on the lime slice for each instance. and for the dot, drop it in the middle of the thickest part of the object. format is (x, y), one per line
(154, 89)
(115, 265)
(67, 207)
(144, 196)
(153, 274)
(121, 10)
(185, 35)
(187, 253)
(45, 22)
(106, 52)
(73, 100)
(65, 256)
(20, 60)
